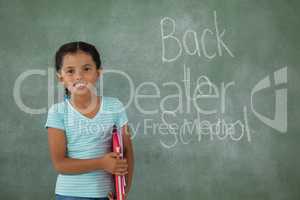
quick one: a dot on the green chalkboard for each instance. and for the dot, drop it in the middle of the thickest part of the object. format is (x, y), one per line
(211, 90)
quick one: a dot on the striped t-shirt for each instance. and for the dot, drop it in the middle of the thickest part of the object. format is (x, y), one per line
(86, 138)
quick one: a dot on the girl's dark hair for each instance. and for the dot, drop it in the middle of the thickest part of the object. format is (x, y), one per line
(74, 47)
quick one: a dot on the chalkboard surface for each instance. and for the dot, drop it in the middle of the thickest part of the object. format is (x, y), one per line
(210, 87)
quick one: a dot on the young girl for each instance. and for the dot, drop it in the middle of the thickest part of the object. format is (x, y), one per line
(79, 129)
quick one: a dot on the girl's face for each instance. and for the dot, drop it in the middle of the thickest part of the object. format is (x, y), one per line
(79, 73)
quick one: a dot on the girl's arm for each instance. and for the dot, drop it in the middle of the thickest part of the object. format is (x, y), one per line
(129, 156)
(65, 165)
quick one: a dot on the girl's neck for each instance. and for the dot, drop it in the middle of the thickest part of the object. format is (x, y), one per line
(84, 101)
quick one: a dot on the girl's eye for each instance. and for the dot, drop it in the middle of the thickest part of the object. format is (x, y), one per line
(87, 69)
(70, 71)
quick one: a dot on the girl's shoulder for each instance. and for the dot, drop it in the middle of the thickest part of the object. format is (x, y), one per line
(112, 100)
(59, 107)
(111, 103)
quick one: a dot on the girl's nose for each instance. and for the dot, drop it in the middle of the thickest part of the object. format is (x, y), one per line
(78, 75)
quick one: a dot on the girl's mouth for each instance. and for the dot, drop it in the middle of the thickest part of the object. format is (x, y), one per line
(79, 85)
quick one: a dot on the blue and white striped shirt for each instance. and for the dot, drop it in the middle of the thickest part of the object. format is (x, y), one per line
(86, 138)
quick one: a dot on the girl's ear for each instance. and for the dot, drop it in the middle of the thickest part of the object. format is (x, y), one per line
(59, 77)
(99, 72)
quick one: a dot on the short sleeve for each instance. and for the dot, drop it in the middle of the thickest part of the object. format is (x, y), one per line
(121, 114)
(55, 118)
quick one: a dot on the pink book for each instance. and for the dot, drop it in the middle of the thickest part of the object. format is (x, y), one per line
(119, 180)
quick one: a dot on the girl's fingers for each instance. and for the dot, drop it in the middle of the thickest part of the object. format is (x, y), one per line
(110, 196)
(121, 170)
(122, 167)
(114, 155)
(121, 174)
(122, 162)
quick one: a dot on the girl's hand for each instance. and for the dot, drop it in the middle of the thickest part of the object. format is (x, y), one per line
(110, 196)
(114, 165)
